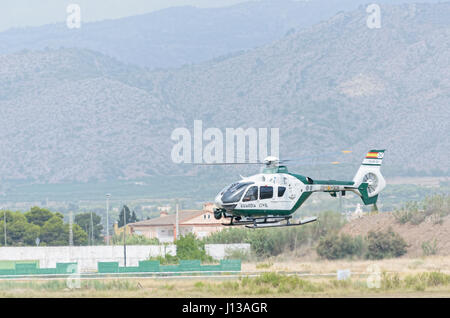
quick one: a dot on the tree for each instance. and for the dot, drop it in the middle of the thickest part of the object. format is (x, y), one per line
(22, 229)
(80, 237)
(53, 232)
(18, 231)
(38, 216)
(84, 222)
(130, 217)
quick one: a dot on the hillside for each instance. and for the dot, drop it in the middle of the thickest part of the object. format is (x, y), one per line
(174, 36)
(336, 85)
(414, 235)
(182, 35)
(62, 120)
(78, 115)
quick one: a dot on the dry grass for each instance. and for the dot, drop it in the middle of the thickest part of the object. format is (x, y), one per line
(423, 277)
(399, 265)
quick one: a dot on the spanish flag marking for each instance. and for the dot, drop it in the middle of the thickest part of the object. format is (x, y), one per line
(372, 155)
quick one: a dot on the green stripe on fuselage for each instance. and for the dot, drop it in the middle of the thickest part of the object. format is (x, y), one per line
(334, 182)
(264, 212)
(328, 182)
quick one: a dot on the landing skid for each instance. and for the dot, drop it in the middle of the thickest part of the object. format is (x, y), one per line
(252, 221)
(264, 222)
(266, 225)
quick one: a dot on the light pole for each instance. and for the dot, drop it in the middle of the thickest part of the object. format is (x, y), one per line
(92, 230)
(124, 237)
(107, 218)
(70, 228)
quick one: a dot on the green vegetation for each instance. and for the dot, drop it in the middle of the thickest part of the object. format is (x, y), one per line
(86, 223)
(130, 217)
(272, 242)
(278, 284)
(418, 282)
(430, 248)
(22, 229)
(377, 245)
(188, 248)
(134, 239)
(341, 246)
(269, 284)
(60, 285)
(435, 206)
(385, 245)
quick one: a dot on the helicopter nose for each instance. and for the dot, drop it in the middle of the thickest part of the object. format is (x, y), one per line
(218, 200)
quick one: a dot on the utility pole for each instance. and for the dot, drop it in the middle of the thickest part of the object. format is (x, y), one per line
(4, 224)
(89, 235)
(107, 218)
(92, 230)
(70, 228)
(177, 233)
(124, 237)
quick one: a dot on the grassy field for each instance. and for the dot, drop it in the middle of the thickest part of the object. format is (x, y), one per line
(427, 277)
(401, 266)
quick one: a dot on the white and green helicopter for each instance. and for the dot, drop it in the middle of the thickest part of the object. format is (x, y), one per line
(270, 198)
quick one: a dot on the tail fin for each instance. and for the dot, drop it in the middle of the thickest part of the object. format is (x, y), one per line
(368, 179)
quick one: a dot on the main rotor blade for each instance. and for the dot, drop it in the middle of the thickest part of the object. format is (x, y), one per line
(312, 163)
(331, 153)
(228, 163)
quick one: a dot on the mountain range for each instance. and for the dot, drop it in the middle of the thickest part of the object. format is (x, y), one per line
(183, 35)
(78, 115)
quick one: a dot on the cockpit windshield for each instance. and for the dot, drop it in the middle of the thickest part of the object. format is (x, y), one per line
(235, 192)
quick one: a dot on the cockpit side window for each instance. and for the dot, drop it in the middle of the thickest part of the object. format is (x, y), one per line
(251, 195)
(265, 192)
(281, 191)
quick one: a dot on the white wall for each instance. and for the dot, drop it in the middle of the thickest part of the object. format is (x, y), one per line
(86, 256)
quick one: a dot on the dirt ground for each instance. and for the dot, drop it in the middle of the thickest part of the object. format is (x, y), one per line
(414, 235)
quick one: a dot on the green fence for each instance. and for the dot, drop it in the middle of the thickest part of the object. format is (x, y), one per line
(12, 264)
(8, 268)
(156, 267)
(32, 268)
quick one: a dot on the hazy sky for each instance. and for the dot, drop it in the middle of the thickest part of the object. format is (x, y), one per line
(20, 13)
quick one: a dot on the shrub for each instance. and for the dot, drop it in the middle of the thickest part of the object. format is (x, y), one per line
(190, 248)
(390, 281)
(429, 248)
(385, 244)
(343, 246)
(241, 254)
(272, 242)
(134, 239)
(415, 213)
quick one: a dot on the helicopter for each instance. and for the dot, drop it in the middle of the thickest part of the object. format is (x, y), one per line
(270, 198)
